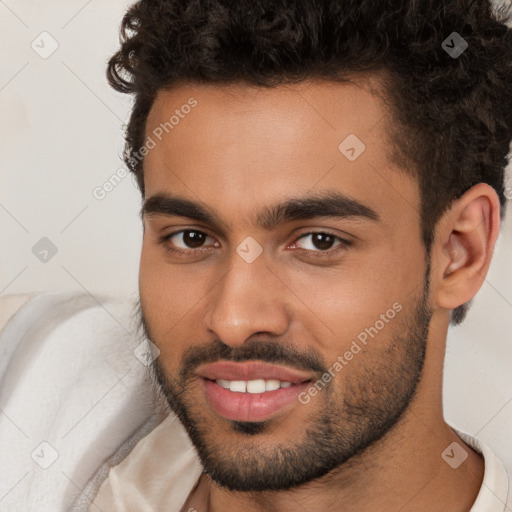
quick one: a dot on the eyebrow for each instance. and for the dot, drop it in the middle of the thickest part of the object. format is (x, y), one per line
(330, 205)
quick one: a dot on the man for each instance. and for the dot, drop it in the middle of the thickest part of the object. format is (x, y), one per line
(322, 190)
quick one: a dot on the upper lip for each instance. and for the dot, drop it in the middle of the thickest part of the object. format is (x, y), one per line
(228, 370)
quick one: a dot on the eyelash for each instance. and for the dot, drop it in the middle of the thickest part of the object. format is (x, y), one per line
(317, 254)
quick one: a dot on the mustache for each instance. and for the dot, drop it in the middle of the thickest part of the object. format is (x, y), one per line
(255, 350)
(266, 351)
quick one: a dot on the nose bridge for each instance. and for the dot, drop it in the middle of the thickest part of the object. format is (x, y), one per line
(246, 300)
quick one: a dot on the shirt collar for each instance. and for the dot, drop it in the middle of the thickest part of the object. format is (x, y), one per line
(494, 490)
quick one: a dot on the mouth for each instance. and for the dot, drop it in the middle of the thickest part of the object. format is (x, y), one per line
(251, 391)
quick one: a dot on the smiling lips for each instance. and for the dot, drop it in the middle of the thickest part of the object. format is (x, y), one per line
(251, 391)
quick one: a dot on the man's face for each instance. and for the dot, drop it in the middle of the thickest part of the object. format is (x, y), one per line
(335, 304)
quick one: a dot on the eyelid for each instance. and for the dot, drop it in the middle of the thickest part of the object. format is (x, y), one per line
(164, 238)
(323, 232)
(312, 231)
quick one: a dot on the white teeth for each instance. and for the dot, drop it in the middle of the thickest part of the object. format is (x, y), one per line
(272, 385)
(223, 383)
(252, 386)
(255, 386)
(240, 386)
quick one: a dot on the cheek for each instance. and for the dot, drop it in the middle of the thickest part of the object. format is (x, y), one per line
(158, 295)
(171, 288)
(363, 301)
(172, 297)
(151, 282)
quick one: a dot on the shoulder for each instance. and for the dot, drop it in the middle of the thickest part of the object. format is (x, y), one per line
(496, 490)
(72, 391)
(162, 468)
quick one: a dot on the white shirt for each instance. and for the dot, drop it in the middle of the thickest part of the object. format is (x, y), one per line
(163, 468)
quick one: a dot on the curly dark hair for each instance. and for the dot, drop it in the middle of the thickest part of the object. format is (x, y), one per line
(451, 116)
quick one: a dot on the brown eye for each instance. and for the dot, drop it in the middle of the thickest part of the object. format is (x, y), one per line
(185, 241)
(193, 239)
(321, 241)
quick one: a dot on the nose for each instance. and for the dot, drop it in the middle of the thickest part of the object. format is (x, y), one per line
(249, 299)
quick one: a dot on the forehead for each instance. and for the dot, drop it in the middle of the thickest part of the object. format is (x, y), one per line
(253, 145)
(311, 106)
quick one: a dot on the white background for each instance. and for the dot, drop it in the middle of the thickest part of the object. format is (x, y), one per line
(61, 136)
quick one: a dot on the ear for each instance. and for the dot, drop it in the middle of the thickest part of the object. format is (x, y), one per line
(463, 246)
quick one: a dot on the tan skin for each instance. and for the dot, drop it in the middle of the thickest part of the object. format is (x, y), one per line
(238, 138)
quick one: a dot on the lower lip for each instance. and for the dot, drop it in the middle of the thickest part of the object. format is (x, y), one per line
(250, 406)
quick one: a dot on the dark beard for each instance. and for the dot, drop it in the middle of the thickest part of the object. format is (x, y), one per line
(374, 400)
